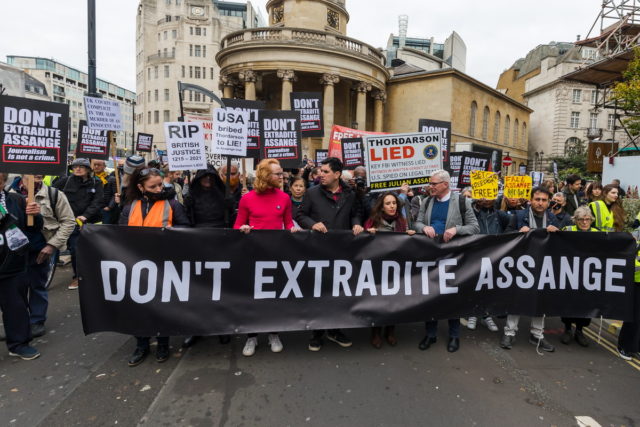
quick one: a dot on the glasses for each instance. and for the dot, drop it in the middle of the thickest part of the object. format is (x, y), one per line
(277, 173)
(583, 219)
(147, 171)
(436, 183)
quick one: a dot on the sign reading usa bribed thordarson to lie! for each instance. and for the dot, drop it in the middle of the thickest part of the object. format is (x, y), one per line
(395, 159)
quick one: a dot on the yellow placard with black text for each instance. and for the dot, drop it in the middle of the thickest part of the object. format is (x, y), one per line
(484, 184)
(517, 187)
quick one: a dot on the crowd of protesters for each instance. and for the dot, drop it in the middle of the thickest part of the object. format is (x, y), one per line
(315, 197)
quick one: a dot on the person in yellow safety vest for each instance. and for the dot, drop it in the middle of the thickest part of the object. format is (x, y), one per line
(629, 338)
(636, 222)
(608, 212)
(151, 206)
(583, 219)
(47, 180)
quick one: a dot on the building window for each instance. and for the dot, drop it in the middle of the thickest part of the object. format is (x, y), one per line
(204, 31)
(577, 96)
(472, 119)
(197, 51)
(155, 72)
(166, 115)
(165, 52)
(177, 2)
(155, 95)
(148, 96)
(174, 34)
(198, 31)
(190, 50)
(507, 128)
(594, 97)
(164, 35)
(159, 35)
(593, 120)
(211, 69)
(523, 141)
(190, 31)
(156, 116)
(190, 72)
(183, 69)
(197, 96)
(149, 73)
(190, 95)
(166, 94)
(575, 120)
(516, 129)
(611, 121)
(204, 51)
(173, 52)
(485, 124)
(197, 75)
(496, 127)
(166, 71)
(149, 117)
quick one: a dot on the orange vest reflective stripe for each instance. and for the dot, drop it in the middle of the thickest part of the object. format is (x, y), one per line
(160, 215)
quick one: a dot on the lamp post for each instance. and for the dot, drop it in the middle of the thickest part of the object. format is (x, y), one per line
(541, 161)
(133, 128)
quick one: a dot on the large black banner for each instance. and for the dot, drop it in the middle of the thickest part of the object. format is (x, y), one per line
(33, 136)
(309, 105)
(144, 281)
(253, 137)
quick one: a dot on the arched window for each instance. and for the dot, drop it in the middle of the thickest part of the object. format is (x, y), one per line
(507, 128)
(472, 119)
(496, 127)
(516, 131)
(523, 140)
(485, 124)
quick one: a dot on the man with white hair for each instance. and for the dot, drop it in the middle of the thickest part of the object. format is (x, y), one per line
(445, 214)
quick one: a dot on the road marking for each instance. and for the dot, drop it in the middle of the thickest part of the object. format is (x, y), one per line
(584, 421)
(608, 345)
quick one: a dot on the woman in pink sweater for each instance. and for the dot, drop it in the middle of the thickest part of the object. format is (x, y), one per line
(266, 207)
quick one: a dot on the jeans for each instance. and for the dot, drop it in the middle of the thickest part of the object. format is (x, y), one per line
(71, 244)
(37, 275)
(537, 326)
(143, 342)
(15, 311)
(454, 328)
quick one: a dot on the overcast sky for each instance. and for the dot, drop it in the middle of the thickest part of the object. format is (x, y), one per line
(496, 32)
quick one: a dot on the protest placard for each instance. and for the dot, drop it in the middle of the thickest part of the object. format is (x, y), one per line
(253, 134)
(144, 142)
(455, 160)
(442, 127)
(517, 187)
(471, 161)
(33, 136)
(92, 143)
(230, 129)
(280, 137)
(352, 155)
(321, 155)
(338, 133)
(392, 160)
(309, 105)
(185, 146)
(484, 185)
(103, 114)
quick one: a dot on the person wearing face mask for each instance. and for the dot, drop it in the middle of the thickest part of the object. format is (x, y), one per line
(151, 205)
(386, 216)
(608, 211)
(557, 205)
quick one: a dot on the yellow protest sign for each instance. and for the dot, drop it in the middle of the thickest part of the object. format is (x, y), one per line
(484, 185)
(517, 187)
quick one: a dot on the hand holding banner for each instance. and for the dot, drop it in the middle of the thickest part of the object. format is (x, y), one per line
(484, 185)
(517, 187)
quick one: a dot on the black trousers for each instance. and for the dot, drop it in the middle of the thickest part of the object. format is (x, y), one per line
(15, 310)
(629, 338)
(579, 322)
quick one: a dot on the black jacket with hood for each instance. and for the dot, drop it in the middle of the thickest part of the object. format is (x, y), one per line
(86, 197)
(206, 206)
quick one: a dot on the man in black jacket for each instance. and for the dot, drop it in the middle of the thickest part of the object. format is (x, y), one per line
(85, 195)
(14, 249)
(332, 205)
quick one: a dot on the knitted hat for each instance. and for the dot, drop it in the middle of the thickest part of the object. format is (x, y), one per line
(132, 163)
(81, 162)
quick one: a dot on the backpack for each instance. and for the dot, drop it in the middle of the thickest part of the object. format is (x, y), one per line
(53, 198)
(462, 200)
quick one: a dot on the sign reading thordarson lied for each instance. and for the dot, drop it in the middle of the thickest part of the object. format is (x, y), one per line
(395, 159)
(92, 144)
(309, 105)
(253, 135)
(33, 136)
(144, 143)
(337, 280)
(280, 137)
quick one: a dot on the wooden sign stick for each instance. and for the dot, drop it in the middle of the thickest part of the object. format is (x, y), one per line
(28, 180)
(114, 148)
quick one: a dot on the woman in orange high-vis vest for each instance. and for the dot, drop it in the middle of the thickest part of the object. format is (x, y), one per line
(153, 205)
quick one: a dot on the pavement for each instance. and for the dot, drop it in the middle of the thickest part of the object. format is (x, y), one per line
(85, 380)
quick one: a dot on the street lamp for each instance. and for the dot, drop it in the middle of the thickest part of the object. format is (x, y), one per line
(133, 128)
(539, 155)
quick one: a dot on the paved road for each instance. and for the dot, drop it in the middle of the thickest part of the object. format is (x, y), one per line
(85, 381)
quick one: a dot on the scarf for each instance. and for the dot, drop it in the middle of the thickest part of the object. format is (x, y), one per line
(532, 220)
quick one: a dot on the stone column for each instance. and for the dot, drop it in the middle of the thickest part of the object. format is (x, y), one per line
(380, 97)
(328, 81)
(361, 106)
(227, 84)
(287, 76)
(249, 78)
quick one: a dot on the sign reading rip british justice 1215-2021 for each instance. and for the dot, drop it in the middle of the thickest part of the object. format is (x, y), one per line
(33, 136)
(393, 160)
(185, 146)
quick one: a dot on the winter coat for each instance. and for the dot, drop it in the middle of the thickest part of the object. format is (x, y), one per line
(318, 205)
(206, 207)
(86, 197)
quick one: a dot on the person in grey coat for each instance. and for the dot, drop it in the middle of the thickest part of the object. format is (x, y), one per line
(445, 214)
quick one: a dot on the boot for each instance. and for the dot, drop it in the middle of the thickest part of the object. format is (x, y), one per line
(390, 335)
(376, 337)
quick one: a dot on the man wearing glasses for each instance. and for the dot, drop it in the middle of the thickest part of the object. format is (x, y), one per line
(445, 214)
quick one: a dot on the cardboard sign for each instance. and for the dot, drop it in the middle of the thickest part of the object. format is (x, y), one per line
(92, 144)
(517, 187)
(33, 136)
(144, 142)
(230, 130)
(442, 127)
(185, 146)
(352, 155)
(309, 105)
(320, 156)
(484, 185)
(103, 114)
(253, 135)
(471, 161)
(392, 160)
(280, 137)
(338, 133)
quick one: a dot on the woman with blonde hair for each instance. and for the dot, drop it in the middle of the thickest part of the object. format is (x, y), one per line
(266, 207)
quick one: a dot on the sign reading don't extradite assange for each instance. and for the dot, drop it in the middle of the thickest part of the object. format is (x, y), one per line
(309, 105)
(337, 280)
(92, 144)
(280, 137)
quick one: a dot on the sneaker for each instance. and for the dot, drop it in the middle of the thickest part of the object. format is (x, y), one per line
(37, 330)
(567, 336)
(315, 344)
(624, 355)
(542, 343)
(25, 352)
(507, 341)
(275, 343)
(339, 338)
(250, 346)
(581, 339)
(490, 324)
(471, 323)
(73, 285)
